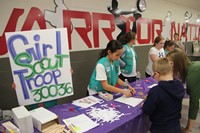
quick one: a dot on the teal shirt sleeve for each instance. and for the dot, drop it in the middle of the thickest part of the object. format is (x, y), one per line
(193, 88)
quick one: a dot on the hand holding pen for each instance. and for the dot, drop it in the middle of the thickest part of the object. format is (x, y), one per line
(132, 90)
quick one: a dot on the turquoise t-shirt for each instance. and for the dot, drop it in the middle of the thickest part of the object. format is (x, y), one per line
(111, 73)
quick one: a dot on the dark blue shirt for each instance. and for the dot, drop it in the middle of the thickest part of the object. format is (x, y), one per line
(164, 104)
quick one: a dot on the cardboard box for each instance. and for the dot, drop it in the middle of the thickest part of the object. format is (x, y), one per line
(22, 118)
(43, 118)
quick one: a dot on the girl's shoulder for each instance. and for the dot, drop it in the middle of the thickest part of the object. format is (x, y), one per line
(152, 48)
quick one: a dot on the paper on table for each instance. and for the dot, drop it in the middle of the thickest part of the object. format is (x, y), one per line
(80, 123)
(86, 101)
(129, 101)
(151, 86)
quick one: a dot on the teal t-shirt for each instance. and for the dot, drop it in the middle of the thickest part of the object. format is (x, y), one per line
(111, 74)
(128, 59)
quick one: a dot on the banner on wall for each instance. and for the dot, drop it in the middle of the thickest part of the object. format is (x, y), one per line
(40, 65)
(91, 28)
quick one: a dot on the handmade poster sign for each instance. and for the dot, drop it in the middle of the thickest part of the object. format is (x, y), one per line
(40, 64)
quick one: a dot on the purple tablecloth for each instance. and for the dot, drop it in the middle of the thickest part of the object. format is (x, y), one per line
(135, 122)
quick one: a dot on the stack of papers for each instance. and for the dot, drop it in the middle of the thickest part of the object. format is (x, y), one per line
(86, 101)
(129, 101)
(80, 123)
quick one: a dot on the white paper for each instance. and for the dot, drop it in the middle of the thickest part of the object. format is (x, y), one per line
(105, 113)
(151, 86)
(129, 101)
(86, 101)
(80, 123)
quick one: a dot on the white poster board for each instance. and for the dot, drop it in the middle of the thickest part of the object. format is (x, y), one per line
(40, 65)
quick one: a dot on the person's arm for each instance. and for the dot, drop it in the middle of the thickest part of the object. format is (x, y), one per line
(111, 88)
(153, 54)
(121, 62)
(13, 85)
(127, 12)
(193, 91)
(122, 83)
(188, 128)
(71, 70)
(193, 111)
(149, 105)
(153, 57)
(180, 45)
(101, 76)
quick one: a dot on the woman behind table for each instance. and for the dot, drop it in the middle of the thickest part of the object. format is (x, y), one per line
(155, 53)
(168, 46)
(105, 74)
(178, 43)
(188, 72)
(128, 57)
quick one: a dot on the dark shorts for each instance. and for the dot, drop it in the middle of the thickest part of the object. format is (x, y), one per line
(171, 130)
(130, 79)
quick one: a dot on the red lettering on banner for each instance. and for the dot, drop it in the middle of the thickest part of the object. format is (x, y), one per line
(193, 29)
(139, 38)
(91, 22)
(107, 31)
(195, 32)
(173, 29)
(35, 14)
(11, 26)
(83, 32)
(159, 31)
(183, 32)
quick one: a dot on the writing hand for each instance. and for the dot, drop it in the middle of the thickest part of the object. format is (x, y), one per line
(127, 93)
(132, 90)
